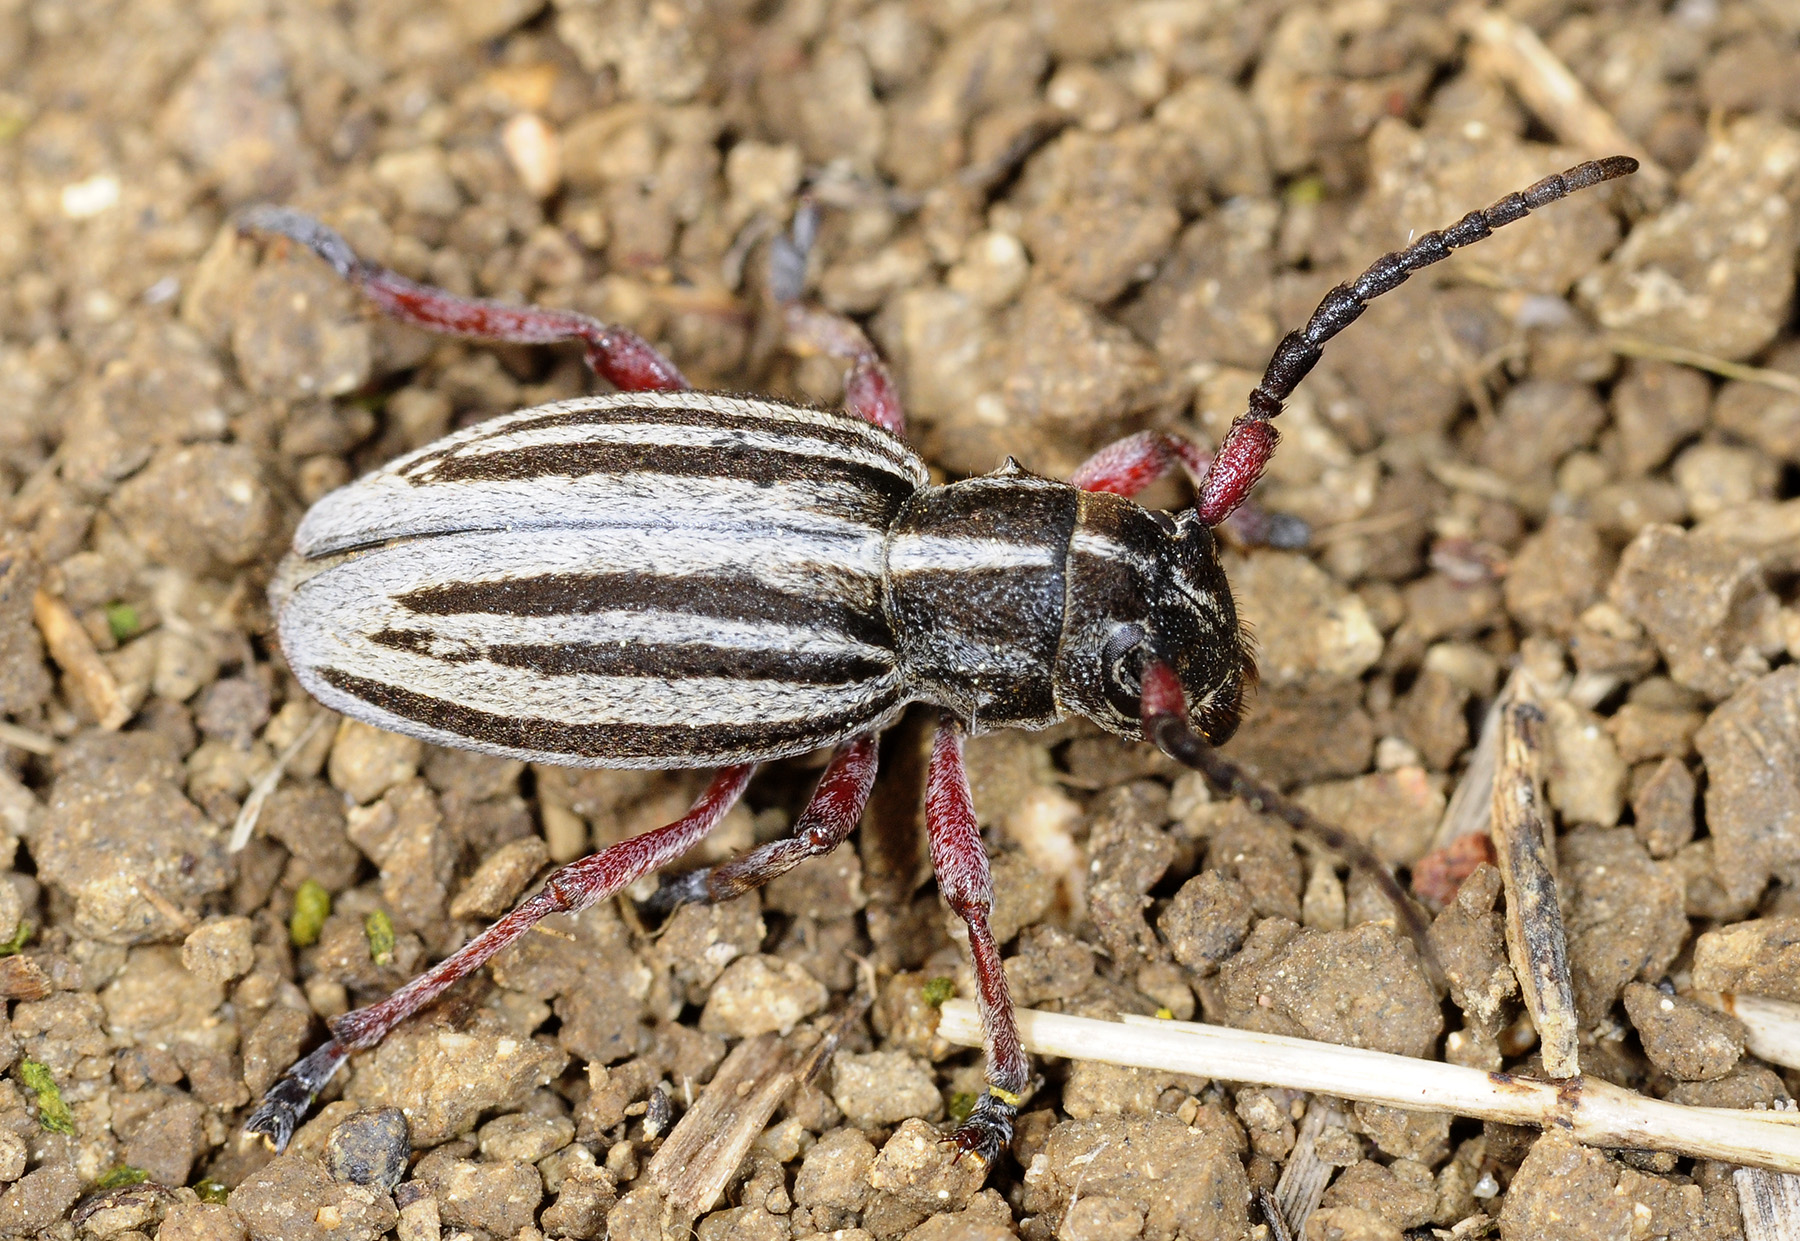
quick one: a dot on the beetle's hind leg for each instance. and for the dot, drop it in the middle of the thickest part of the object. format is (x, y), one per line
(811, 330)
(616, 354)
(831, 814)
(573, 887)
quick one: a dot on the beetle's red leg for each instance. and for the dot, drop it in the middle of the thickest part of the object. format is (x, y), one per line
(1251, 441)
(573, 887)
(1125, 467)
(830, 816)
(961, 864)
(869, 390)
(616, 354)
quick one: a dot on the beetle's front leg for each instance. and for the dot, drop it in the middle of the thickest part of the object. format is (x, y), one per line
(574, 887)
(831, 814)
(1126, 467)
(616, 354)
(963, 877)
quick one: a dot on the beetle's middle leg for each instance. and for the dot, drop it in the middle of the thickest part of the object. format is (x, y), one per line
(961, 864)
(830, 816)
(574, 887)
(616, 354)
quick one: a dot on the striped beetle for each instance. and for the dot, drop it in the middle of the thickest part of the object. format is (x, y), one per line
(664, 578)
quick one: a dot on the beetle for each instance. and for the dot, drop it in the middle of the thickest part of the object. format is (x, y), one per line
(663, 578)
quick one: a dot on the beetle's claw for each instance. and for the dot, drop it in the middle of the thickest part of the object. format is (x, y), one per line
(286, 1103)
(987, 1131)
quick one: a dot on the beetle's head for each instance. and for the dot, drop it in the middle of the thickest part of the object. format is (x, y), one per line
(1145, 587)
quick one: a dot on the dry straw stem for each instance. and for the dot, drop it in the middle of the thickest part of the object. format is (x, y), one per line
(1770, 1203)
(1589, 1110)
(1535, 942)
(1771, 1027)
(1471, 806)
(267, 782)
(1511, 51)
(1637, 347)
(21, 738)
(74, 653)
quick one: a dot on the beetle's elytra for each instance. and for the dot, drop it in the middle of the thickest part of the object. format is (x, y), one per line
(661, 578)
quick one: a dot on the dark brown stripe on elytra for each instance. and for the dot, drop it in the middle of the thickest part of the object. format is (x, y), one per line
(682, 744)
(725, 459)
(424, 642)
(692, 659)
(721, 596)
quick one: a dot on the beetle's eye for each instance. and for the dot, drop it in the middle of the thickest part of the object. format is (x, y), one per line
(1123, 661)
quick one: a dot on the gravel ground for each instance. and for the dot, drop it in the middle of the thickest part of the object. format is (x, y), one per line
(1062, 220)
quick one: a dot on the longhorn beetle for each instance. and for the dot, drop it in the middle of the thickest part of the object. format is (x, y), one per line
(663, 578)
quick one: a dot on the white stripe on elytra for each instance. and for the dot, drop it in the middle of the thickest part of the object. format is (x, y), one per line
(879, 441)
(384, 506)
(589, 698)
(647, 433)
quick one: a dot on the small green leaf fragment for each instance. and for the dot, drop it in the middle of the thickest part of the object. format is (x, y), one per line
(213, 1191)
(123, 620)
(1306, 192)
(312, 905)
(380, 930)
(962, 1102)
(53, 1113)
(124, 1174)
(18, 940)
(937, 990)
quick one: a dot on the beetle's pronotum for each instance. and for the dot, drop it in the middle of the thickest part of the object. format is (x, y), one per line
(662, 578)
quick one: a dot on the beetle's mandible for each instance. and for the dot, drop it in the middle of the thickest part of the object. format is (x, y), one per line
(663, 578)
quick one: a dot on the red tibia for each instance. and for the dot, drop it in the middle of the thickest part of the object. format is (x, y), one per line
(834, 811)
(574, 887)
(869, 390)
(963, 877)
(1127, 466)
(1240, 461)
(869, 393)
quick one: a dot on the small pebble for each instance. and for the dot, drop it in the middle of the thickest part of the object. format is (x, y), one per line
(884, 1088)
(220, 949)
(1683, 1037)
(369, 1148)
(760, 995)
(535, 153)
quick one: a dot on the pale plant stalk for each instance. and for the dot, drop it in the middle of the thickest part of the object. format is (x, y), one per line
(1590, 1110)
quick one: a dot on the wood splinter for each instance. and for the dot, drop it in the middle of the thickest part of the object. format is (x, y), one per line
(1535, 941)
